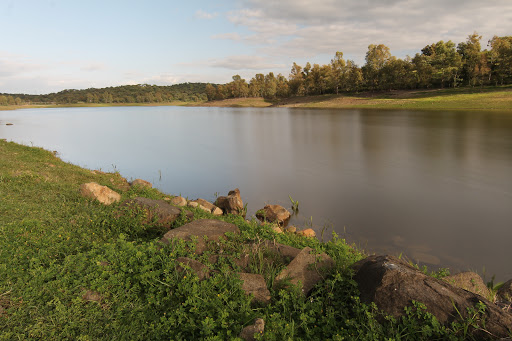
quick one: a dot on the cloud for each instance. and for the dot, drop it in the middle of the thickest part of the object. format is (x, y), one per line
(245, 62)
(304, 28)
(200, 14)
(93, 67)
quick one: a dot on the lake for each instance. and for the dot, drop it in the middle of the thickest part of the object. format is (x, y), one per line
(435, 186)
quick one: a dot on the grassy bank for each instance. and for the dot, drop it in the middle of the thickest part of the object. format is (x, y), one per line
(58, 249)
(488, 98)
(469, 98)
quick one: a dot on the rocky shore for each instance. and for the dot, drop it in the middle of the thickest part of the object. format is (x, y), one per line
(386, 281)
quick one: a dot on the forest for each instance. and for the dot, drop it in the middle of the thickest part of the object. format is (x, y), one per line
(438, 65)
(141, 93)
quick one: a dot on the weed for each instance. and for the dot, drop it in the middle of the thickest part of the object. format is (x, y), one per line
(295, 205)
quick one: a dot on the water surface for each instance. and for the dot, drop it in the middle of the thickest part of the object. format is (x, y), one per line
(435, 186)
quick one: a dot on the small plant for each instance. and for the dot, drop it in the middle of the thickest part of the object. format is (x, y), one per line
(295, 204)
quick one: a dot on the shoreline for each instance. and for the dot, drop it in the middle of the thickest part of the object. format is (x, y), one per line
(97, 262)
(487, 98)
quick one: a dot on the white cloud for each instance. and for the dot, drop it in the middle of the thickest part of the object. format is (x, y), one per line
(303, 28)
(93, 67)
(245, 62)
(205, 15)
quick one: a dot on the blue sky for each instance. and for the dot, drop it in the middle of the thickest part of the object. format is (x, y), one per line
(51, 45)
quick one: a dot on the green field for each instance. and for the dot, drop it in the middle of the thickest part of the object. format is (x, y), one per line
(74, 269)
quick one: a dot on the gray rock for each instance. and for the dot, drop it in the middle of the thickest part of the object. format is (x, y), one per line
(392, 285)
(206, 204)
(274, 214)
(199, 268)
(164, 213)
(141, 183)
(505, 292)
(210, 229)
(469, 281)
(231, 204)
(257, 328)
(306, 269)
(254, 284)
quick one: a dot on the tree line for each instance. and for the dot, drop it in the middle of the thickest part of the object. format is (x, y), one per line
(438, 65)
(142, 93)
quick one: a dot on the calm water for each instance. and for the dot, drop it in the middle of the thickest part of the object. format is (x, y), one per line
(436, 186)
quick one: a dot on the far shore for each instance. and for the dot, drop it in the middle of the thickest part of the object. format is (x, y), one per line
(468, 98)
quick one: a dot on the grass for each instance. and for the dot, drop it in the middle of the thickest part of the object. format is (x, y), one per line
(73, 269)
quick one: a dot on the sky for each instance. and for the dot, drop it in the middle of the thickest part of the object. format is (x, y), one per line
(52, 45)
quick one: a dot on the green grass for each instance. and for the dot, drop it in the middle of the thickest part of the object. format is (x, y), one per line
(58, 248)
(487, 98)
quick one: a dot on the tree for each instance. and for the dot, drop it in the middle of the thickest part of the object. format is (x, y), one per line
(471, 58)
(445, 62)
(256, 85)
(283, 90)
(339, 71)
(376, 58)
(210, 92)
(239, 87)
(270, 86)
(500, 58)
(296, 80)
(354, 76)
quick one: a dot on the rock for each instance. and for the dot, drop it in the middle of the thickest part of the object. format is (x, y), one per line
(179, 201)
(141, 183)
(101, 193)
(274, 214)
(232, 204)
(286, 253)
(208, 205)
(193, 204)
(254, 284)
(307, 269)
(469, 281)
(307, 233)
(291, 229)
(393, 284)
(276, 229)
(92, 296)
(217, 211)
(209, 228)
(199, 268)
(505, 292)
(164, 213)
(257, 328)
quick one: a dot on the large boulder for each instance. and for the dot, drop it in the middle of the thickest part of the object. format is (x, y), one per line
(505, 292)
(306, 269)
(254, 284)
(392, 285)
(201, 229)
(101, 193)
(274, 214)
(164, 213)
(469, 281)
(231, 204)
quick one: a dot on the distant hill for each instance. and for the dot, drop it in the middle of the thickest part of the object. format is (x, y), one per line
(141, 93)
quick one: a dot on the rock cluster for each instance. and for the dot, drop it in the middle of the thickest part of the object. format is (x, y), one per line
(392, 284)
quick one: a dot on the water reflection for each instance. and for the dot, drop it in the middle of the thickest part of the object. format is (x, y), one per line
(436, 186)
